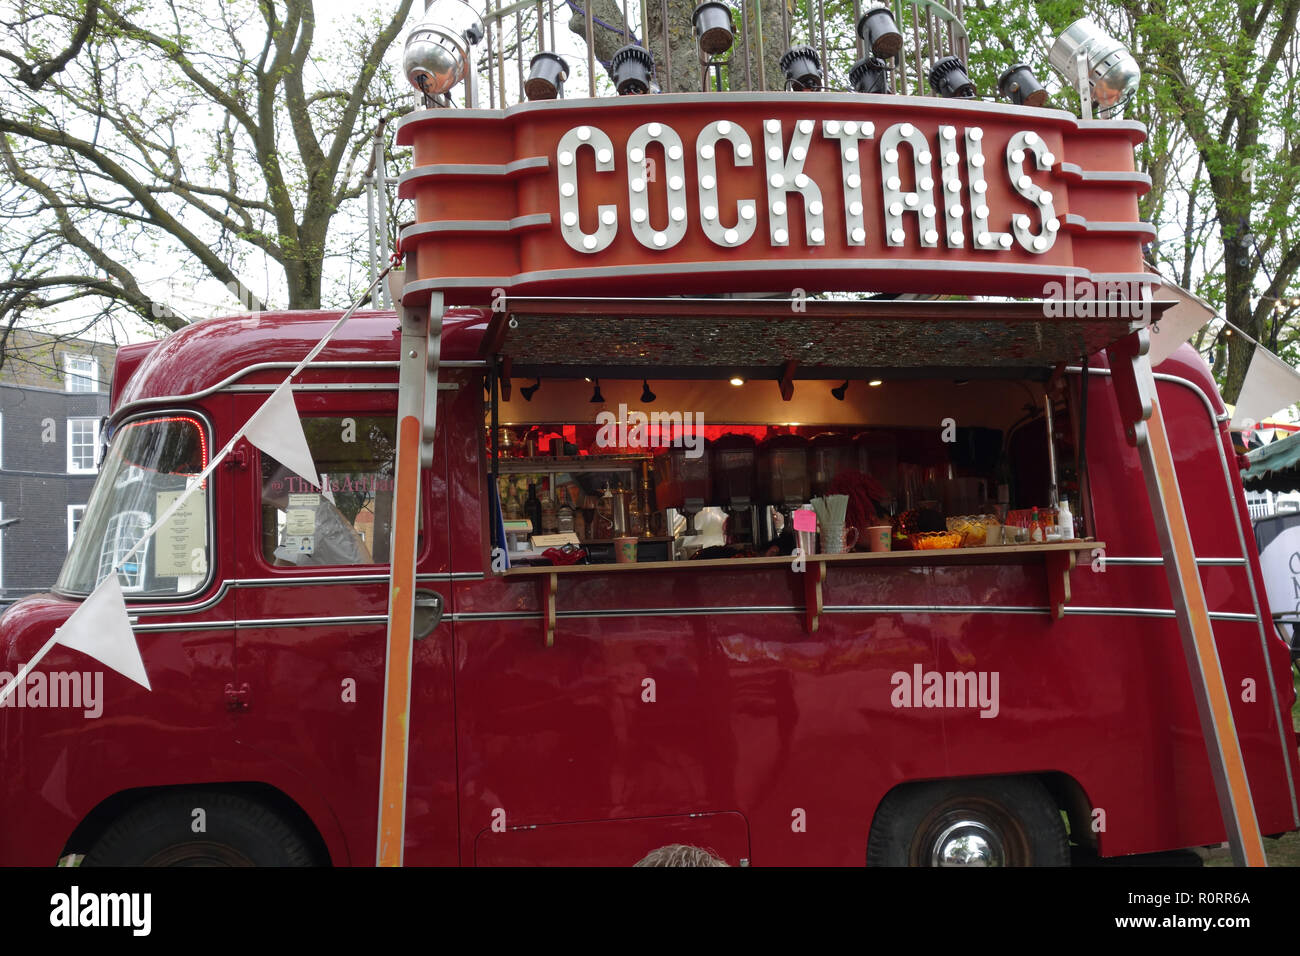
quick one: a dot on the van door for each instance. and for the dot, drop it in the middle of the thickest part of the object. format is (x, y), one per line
(311, 629)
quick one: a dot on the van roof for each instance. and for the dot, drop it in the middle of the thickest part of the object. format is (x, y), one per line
(208, 353)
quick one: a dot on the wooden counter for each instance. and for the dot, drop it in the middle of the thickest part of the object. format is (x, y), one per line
(1058, 557)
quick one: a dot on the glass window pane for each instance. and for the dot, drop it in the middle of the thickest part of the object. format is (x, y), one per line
(347, 520)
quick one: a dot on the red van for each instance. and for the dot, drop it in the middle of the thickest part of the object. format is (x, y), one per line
(972, 706)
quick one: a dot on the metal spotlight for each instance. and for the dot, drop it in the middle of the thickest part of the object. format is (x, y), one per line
(839, 390)
(437, 54)
(803, 68)
(880, 33)
(546, 75)
(528, 391)
(1021, 87)
(1084, 53)
(631, 69)
(948, 78)
(596, 397)
(647, 396)
(870, 75)
(714, 29)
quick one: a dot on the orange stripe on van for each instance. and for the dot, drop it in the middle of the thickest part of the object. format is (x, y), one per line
(397, 677)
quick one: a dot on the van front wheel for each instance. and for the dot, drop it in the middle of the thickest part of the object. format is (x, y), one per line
(199, 828)
(996, 821)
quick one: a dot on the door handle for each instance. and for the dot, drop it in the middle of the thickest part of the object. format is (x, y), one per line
(428, 613)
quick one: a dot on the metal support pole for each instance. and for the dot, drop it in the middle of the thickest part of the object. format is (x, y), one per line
(421, 329)
(381, 211)
(371, 238)
(1140, 407)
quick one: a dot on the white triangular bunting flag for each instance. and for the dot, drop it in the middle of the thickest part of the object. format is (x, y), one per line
(1270, 386)
(276, 429)
(1178, 323)
(101, 629)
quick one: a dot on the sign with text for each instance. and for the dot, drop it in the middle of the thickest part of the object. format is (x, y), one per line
(691, 193)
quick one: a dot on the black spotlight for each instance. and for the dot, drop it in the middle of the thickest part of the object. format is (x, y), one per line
(596, 397)
(948, 78)
(714, 28)
(870, 75)
(546, 75)
(647, 396)
(1021, 87)
(528, 391)
(839, 390)
(880, 33)
(803, 68)
(631, 69)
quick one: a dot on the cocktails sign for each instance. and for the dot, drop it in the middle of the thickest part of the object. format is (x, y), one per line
(661, 195)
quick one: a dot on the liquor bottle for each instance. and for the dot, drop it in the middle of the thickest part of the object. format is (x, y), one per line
(514, 508)
(533, 509)
(564, 513)
(548, 509)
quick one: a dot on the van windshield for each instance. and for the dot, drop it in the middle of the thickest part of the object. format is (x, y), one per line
(149, 463)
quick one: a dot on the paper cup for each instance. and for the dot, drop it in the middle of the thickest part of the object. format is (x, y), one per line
(878, 536)
(625, 550)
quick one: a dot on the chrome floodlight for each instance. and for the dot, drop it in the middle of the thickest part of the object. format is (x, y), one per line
(1100, 67)
(437, 54)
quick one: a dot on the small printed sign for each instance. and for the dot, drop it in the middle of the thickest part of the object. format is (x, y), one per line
(184, 533)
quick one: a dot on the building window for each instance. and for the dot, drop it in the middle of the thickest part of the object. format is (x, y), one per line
(80, 373)
(83, 445)
(75, 513)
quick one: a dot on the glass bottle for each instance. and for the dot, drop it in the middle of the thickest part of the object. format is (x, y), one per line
(548, 509)
(533, 509)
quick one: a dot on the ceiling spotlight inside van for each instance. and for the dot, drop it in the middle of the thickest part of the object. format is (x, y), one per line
(803, 68)
(1021, 87)
(546, 75)
(437, 53)
(880, 33)
(870, 75)
(714, 29)
(1084, 52)
(631, 69)
(948, 78)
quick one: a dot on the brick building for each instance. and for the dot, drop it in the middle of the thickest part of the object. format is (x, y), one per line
(53, 395)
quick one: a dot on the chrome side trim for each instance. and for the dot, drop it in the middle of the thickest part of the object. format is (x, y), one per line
(310, 621)
(1153, 612)
(1202, 562)
(231, 583)
(183, 626)
(236, 376)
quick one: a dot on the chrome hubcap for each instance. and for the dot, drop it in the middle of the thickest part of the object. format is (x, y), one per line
(967, 843)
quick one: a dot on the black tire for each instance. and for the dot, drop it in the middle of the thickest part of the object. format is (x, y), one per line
(238, 832)
(1013, 816)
